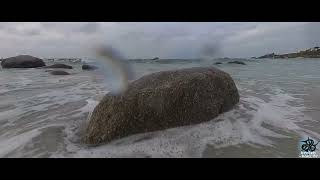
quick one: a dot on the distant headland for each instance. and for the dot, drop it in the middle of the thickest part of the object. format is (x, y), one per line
(309, 53)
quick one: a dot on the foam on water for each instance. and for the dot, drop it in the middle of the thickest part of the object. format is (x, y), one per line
(40, 111)
(243, 125)
(8, 144)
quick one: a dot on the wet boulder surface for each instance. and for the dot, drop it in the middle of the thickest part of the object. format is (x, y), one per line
(162, 100)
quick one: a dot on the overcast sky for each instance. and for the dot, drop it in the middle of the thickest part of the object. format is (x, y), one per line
(157, 39)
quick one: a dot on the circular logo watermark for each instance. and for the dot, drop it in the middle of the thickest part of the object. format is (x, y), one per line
(308, 148)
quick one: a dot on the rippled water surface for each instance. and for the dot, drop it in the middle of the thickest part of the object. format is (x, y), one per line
(42, 115)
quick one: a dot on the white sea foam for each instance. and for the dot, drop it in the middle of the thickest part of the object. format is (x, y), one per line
(266, 111)
(8, 144)
(242, 125)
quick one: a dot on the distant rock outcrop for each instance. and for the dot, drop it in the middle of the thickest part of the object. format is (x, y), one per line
(309, 53)
(272, 55)
(163, 100)
(236, 62)
(218, 63)
(22, 61)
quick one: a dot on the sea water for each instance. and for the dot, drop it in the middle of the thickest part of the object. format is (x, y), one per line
(42, 115)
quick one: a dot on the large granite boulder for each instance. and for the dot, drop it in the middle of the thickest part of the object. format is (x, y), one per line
(22, 61)
(162, 100)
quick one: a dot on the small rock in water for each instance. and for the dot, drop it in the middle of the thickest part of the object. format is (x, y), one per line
(89, 67)
(218, 63)
(59, 73)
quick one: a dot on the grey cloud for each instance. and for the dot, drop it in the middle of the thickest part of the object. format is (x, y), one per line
(311, 33)
(167, 39)
(32, 32)
(90, 28)
(267, 38)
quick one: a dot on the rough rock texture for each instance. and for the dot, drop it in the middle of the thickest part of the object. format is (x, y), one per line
(89, 67)
(59, 73)
(237, 62)
(22, 61)
(162, 100)
(62, 66)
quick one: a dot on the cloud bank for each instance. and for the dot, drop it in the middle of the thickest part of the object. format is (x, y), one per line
(157, 39)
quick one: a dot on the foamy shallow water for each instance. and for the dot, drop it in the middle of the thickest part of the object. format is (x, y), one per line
(45, 116)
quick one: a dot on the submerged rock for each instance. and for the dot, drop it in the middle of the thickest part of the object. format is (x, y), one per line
(89, 67)
(22, 61)
(162, 100)
(59, 73)
(237, 62)
(62, 66)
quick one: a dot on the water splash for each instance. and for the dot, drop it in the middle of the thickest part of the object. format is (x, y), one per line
(210, 50)
(115, 65)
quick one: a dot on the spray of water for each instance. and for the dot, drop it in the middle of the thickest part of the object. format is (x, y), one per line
(113, 61)
(209, 51)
